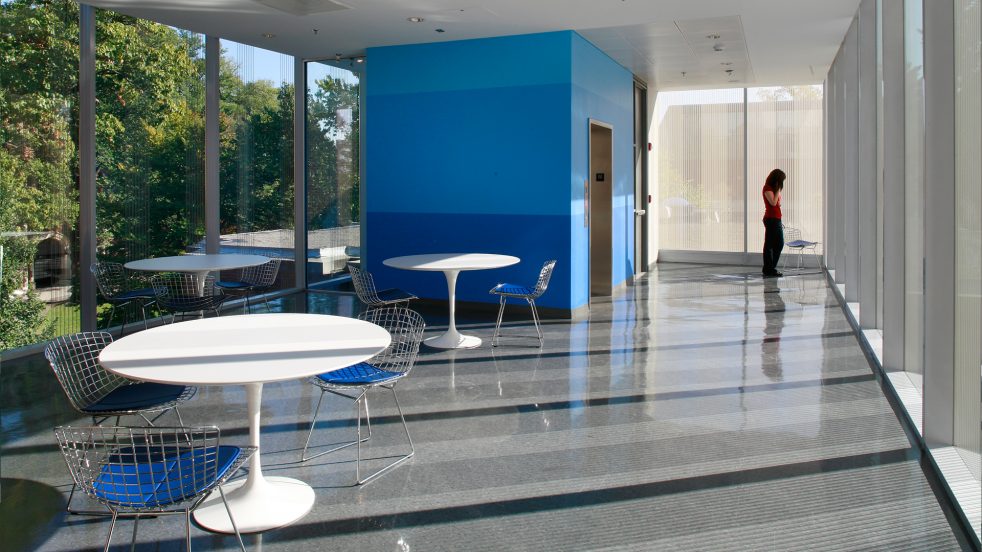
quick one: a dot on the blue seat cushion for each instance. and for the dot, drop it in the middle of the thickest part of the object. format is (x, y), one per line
(800, 243)
(233, 285)
(154, 476)
(138, 396)
(146, 293)
(193, 472)
(390, 295)
(511, 289)
(358, 374)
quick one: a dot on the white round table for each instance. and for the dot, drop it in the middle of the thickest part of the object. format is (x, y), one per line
(247, 350)
(451, 264)
(200, 265)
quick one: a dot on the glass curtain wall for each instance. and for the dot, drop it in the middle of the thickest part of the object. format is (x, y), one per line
(333, 181)
(784, 130)
(149, 141)
(701, 170)
(949, 416)
(39, 264)
(968, 233)
(705, 202)
(256, 155)
(914, 189)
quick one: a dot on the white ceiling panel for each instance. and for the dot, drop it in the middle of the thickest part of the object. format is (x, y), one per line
(774, 41)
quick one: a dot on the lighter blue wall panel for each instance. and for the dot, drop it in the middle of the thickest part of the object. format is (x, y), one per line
(602, 90)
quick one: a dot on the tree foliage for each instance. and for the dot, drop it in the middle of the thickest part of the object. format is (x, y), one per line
(150, 123)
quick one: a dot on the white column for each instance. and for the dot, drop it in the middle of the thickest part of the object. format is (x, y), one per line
(893, 186)
(850, 181)
(86, 161)
(866, 212)
(939, 222)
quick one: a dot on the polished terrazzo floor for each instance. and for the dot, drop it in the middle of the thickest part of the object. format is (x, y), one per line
(702, 409)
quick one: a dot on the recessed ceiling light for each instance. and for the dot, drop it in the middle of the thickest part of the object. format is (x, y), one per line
(718, 47)
(414, 19)
(359, 60)
(439, 30)
(269, 35)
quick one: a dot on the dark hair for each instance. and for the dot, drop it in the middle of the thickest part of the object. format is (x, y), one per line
(775, 180)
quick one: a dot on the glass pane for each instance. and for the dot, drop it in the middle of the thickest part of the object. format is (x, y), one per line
(256, 88)
(333, 181)
(149, 142)
(701, 170)
(784, 131)
(38, 163)
(914, 189)
(968, 232)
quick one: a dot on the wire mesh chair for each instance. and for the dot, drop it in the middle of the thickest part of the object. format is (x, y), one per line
(383, 370)
(504, 291)
(138, 472)
(179, 293)
(793, 240)
(365, 288)
(252, 280)
(112, 283)
(95, 392)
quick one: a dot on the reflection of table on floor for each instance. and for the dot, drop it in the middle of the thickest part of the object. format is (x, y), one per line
(251, 350)
(451, 264)
(200, 265)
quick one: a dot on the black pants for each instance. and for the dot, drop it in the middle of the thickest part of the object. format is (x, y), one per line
(773, 244)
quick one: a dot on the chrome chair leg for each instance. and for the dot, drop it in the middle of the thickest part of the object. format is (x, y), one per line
(112, 525)
(497, 326)
(230, 518)
(136, 525)
(306, 445)
(535, 319)
(412, 448)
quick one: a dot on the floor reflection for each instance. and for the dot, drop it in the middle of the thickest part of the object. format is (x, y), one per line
(770, 346)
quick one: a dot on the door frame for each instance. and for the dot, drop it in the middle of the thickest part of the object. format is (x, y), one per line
(591, 122)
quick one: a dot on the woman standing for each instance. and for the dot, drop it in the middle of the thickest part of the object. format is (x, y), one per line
(773, 230)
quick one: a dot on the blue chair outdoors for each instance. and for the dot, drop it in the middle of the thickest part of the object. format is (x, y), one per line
(365, 289)
(94, 392)
(138, 472)
(178, 293)
(110, 278)
(383, 370)
(253, 279)
(793, 240)
(504, 291)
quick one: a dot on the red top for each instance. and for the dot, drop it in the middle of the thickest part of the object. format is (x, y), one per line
(771, 211)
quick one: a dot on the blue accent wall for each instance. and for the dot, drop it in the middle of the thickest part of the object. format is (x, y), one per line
(469, 148)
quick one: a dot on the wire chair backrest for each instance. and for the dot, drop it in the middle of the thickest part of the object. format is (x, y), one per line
(263, 275)
(364, 285)
(110, 278)
(141, 468)
(544, 275)
(75, 361)
(791, 234)
(406, 328)
(176, 285)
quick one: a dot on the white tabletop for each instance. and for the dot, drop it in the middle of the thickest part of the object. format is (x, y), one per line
(244, 349)
(197, 263)
(451, 261)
